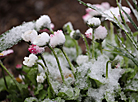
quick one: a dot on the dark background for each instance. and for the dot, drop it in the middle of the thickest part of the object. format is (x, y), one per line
(15, 12)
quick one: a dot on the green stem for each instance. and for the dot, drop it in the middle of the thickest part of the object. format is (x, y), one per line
(93, 44)
(120, 36)
(101, 50)
(107, 69)
(87, 46)
(70, 64)
(15, 82)
(50, 30)
(111, 31)
(77, 47)
(57, 63)
(5, 82)
(44, 62)
(48, 79)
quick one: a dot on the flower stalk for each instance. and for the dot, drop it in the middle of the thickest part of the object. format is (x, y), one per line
(101, 49)
(77, 47)
(44, 62)
(70, 64)
(107, 69)
(5, 82)
(59, 66)
(86, 44)
(15, 82)
(93, 44)
(48, 79)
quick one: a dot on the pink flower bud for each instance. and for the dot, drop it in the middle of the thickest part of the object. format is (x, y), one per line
(35, 49)
(57, 39)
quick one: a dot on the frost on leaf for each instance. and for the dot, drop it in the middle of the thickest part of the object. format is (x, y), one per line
(13, 36)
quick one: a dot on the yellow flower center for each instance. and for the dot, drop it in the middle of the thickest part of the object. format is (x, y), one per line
(18, 80)
(1, 54)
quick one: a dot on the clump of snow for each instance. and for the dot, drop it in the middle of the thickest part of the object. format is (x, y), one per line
(133, 84)
(109, 86)
(14, 35)
(82, 59)
(81, 75)
(53, 67)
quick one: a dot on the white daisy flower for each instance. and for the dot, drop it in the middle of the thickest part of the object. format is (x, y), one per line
(29, 35)
(57, 39)
(30, 61)
(42, 39)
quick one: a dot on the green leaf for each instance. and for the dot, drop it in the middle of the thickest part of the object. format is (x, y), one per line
(69, 93)
(66, 93)
(135, 4)
(133, 10)
(132, 22)
(133, 97)
(121, 52)
(127, 75)
(95, 83)
(13, 36)
(26, 69)
(38, 88)
(50, 95)
(31, 99)
(123, 19)
(32, 75)
(42, 94)
(135, 33)
(2, 85)
(58, 99)
(69, 42)
(76, 93)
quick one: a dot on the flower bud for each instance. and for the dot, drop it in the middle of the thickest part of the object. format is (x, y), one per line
(89, 33)
(75, 34)
(68, 28)
(100, 33)
(43, 22)
(29, 35)
(86, 17)
(35, 49)
(57, 39)
(94, 22)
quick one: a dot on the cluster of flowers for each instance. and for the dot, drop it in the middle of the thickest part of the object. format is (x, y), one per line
(93, 77)
(40, 41)
(107, 10)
